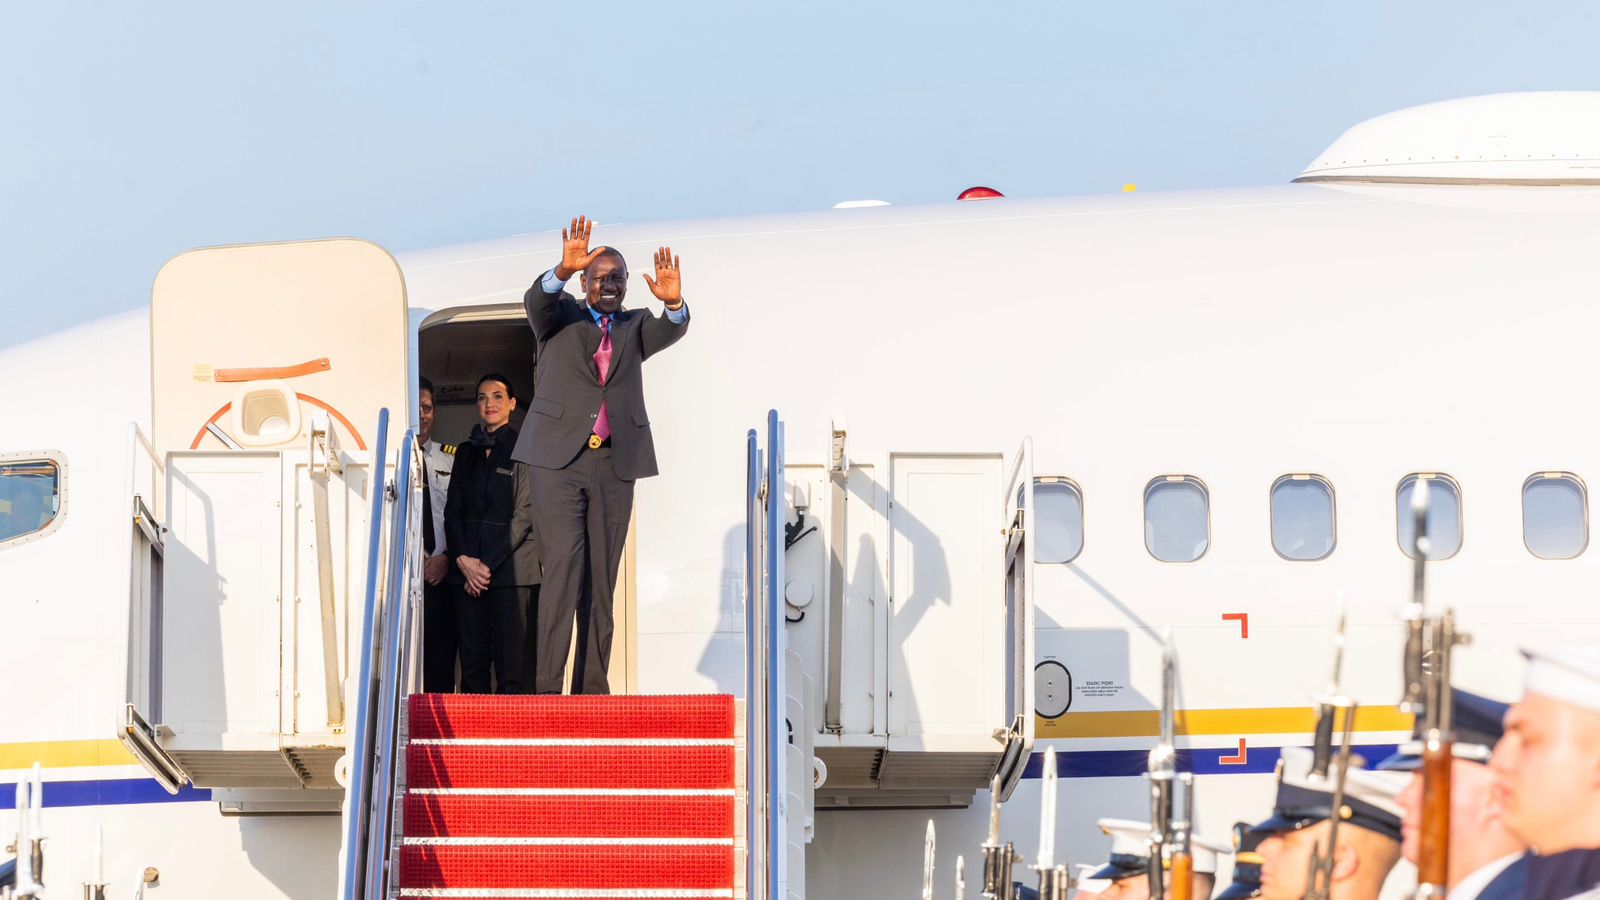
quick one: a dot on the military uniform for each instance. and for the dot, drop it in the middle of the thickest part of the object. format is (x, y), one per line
(1569, 675)
(1130, 854)
(1305, 801)
(1246, 864)
(1477, 723)
(439, 637)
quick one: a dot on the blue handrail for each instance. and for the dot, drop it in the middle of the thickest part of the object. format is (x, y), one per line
(396, 647)
(776, 738)
(360, 752)
(766, 731)
(753, 672)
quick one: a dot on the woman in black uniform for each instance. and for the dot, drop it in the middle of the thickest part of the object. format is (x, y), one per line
(495, 570)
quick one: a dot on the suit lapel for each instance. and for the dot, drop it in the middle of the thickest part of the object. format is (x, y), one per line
(622, 325)
(589, 338)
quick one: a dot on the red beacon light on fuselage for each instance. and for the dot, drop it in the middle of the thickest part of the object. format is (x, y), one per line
(979, 193)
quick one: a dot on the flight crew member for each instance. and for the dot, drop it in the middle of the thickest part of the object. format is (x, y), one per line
(438, 606)
(1127, 869)
(1487, 861)
(1547, 770)
(587, 439)
(1368, 839)
(497, 579)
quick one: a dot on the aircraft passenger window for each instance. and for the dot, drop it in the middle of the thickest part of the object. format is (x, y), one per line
(1177, 518)
(30, 496)
(1444, 515)
(1059, 536)
(1555, 515)
(1302, 517)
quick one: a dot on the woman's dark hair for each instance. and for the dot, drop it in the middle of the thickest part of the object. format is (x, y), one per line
(511, 392)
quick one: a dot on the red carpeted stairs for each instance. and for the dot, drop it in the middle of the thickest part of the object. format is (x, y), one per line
(603, 798)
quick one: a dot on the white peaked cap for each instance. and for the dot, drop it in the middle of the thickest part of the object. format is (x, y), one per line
(1131, 839)
(1569, 673)
(1369, 795)
(1375, 786)
(1088, 884)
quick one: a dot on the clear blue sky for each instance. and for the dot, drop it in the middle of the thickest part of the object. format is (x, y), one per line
(132, 131)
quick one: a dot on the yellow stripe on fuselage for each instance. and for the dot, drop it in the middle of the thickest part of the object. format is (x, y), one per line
(1144, 723)
(64, 754)
(1214, 722)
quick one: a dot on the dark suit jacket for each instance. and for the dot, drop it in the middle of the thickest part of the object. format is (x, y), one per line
(479, 510)
(1562, 874)
(1510, 884)
(567, 391)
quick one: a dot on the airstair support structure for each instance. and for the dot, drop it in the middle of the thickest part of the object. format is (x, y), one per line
(909, 600)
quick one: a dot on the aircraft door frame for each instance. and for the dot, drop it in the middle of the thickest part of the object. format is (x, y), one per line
(1020, 620)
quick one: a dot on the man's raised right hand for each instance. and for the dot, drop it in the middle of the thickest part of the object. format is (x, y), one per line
(575, 253)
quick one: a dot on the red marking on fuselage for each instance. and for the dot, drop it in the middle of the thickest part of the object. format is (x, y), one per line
(1244, 622)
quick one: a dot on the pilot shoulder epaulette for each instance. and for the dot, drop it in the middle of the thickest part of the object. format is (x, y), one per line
(448, 448)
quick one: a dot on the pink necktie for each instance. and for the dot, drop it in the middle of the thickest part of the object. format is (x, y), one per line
(602, 364)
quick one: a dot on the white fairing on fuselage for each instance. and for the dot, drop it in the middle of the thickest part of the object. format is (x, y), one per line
(1358, 333)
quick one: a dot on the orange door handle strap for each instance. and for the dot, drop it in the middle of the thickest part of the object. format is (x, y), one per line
(309, 367)
(304, 398)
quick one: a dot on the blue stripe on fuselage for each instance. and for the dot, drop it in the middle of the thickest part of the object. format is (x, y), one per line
(1069, 764)
(111, 792)
(1201, 761)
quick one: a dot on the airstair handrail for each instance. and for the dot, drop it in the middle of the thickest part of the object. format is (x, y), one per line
(754, 674)
(765, 726)
(360, 754)
(402, 598)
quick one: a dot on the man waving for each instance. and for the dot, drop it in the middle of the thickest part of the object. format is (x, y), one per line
(586, 440)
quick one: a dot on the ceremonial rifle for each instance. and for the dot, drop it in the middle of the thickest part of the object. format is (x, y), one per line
(1319, 877)
(1169, 837)
(927, 863)
(1430, 643)
(1054, 881)
(998, 858)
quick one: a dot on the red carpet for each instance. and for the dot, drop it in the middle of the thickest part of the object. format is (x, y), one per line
(605, 798)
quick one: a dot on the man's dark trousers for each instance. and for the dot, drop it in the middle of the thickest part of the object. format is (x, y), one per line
(438, 637)
(581, 517)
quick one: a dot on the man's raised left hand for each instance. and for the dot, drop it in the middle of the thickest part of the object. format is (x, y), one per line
(667, 285)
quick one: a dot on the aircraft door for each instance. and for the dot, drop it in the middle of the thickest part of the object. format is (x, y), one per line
(269, 365)
(248, 343)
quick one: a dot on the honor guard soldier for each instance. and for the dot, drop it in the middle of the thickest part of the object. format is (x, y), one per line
(1246, 864)
(1368, 841)
(1127, 868)
(1547, 771)
(438, 612)
(1487, 860)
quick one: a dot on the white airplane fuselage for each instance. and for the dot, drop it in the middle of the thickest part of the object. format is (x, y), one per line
(1358, 333)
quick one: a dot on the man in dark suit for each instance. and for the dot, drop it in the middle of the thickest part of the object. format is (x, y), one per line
(587, 439)
(496, 565)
